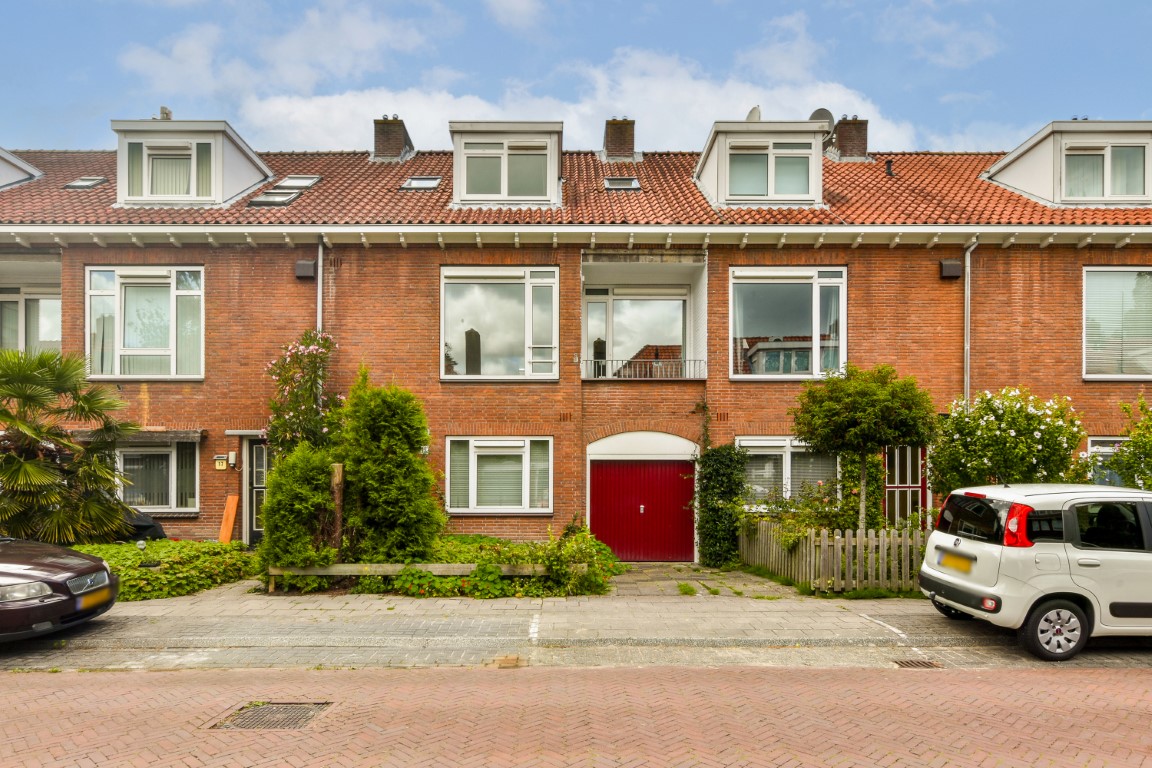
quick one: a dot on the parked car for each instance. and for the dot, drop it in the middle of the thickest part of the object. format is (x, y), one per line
(1057, 563)
(45, 588)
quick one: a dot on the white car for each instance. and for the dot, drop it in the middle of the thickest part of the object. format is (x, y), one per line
(1057, 563)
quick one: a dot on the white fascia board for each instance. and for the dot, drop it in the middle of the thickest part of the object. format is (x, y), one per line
(504, 126)
(1065, 127)
(22, 165)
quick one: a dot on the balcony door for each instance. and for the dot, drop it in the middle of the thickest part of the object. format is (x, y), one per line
(635, 333)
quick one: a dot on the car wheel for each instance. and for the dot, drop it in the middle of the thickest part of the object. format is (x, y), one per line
(949, 612)
(1055, 631)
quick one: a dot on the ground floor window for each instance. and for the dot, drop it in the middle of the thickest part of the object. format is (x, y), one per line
(782, 465)
(162, 478)
(1101, 449)
(499, 475)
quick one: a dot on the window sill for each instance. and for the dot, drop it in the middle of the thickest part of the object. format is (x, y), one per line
(169, 514)
(500, 512)
(776, 377)
(482, 379)
(107, 377)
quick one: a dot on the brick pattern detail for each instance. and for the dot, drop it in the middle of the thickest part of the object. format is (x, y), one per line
(619, 139)
(852, 138)
(391, 140)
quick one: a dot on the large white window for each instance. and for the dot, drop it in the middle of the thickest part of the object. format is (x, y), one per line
(499, 475)
(1099, 172)
(779, 466)
(787, 322)
(637, 333)
(146, 322)
(499, 323)
(506, 163)
(161, 478)
(769, 170)
(29, 320)
(170, 169)
(1118, 323)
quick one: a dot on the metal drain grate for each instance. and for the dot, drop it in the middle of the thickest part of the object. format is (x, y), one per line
(917, 664)
(264, 715)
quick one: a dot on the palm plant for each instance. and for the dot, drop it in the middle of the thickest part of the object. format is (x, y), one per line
(55, 487)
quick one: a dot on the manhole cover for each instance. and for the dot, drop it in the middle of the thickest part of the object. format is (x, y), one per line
(917, 664)
(267, 715)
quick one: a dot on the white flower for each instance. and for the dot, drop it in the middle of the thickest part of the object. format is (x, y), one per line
(1012, 432)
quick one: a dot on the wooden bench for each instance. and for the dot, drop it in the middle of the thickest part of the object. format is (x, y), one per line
(391, 569)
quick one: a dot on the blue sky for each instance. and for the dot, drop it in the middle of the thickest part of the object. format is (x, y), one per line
(312, 74)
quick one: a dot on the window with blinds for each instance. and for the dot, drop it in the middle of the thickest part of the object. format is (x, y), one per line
(161, 478)
(504, 475)
(777, 466)
(1118, 323)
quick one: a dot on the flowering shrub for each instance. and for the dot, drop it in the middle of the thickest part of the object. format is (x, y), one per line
(1132, 459)
(1007, 437)
(302, 402)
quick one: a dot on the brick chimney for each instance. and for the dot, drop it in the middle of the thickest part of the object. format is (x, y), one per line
(851, 138)
(392, 143)
(620, 140)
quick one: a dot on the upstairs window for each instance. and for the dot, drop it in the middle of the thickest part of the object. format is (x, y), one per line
(1117, 323)
(787, 322)
(146, 322)
(1105, 172)
(29, 321)
(170, 169)
(505, 169)
(499, 323)
(763, 170)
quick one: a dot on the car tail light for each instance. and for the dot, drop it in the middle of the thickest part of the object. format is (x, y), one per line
(975, 495)
(1016, 526)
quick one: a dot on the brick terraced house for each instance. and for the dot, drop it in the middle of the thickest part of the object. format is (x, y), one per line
(567, 315)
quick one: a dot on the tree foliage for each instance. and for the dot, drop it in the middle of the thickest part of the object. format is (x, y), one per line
(57, 488)
(720, 492)
(302, 402)
(392, 513)
(1132, 459)
(1008, 437)
(859, 412)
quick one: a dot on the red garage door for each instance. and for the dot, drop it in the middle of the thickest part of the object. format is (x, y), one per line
(643, 509)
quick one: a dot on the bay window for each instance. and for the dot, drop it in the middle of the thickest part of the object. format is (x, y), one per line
(1117, 323)
(499, 322)
(499, 475)
(146, 322)
(787, 322)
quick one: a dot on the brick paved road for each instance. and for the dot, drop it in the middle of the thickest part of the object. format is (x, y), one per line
(655, 716)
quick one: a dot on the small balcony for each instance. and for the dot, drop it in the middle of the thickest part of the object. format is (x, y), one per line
(635, 369)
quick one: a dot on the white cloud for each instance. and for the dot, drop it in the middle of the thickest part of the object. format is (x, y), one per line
(516, 14)
(948, 44)
(787, 54)
(188, 67)
(979, 137)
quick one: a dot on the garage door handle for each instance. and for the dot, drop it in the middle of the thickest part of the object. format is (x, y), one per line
(641, 509)
(1086, 562)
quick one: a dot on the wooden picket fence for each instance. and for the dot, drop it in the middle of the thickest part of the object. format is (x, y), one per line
(838, 561)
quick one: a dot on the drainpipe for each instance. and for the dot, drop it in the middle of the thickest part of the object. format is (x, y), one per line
(320, 285)
(968, 317)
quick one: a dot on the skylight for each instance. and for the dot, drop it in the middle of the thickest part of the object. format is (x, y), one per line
(621, 182)
(421, 182)
(297, 182)
(86, 182)
(284, 191)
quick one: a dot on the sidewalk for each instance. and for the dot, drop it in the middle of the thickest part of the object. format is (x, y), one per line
(733, 618)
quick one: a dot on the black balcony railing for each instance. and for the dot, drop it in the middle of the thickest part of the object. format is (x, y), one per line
(646, 370)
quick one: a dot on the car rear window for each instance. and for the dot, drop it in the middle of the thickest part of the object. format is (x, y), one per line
(971, 517)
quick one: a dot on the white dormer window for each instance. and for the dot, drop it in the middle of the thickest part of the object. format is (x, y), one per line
(506, 163)
(1104, 172)
(778, 169)
(170, 169)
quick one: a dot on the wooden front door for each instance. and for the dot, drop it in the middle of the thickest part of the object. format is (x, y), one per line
(643, 509)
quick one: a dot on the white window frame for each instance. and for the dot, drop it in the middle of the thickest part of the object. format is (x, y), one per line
(545, 145)
(169, 145)
(785, 447)
(792, 276)
(173, 483)
(142, 276)
(1103, 148)
(772, 147)
(19, 298)
(500, 446)
(1084, 328)
(529, 277)
(681, 293)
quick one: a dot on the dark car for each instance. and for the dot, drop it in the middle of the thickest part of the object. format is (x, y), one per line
(45, 588)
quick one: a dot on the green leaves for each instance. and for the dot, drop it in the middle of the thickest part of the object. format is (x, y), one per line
(719, 496)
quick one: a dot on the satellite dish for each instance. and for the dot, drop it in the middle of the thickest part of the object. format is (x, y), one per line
(823, 114)
(753, 115)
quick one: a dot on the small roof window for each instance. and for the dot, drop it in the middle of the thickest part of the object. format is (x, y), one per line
(621, 182)
(86, 182)
(284, 191)
(421, 182)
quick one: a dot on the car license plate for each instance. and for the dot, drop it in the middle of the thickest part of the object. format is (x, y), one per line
(956, 562)
(94, 598)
